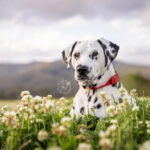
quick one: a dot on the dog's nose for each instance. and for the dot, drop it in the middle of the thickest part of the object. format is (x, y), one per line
(82, 70)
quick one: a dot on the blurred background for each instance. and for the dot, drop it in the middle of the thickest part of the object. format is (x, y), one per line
(33, 34)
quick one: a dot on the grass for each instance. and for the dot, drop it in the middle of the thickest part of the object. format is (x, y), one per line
(10, 103)
(44, 123)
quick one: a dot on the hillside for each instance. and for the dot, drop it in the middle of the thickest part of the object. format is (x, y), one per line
(43, 78)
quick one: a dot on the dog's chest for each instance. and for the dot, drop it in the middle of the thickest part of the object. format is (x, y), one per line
(89, 101)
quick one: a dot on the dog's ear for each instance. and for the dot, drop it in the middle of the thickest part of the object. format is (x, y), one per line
(110, 50)
(67, 54)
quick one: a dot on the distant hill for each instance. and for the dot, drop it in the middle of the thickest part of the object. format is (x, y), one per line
(43, 78)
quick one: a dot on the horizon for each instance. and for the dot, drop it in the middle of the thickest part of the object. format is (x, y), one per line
(61, 60)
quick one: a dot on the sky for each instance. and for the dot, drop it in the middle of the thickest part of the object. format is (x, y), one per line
(35, 30)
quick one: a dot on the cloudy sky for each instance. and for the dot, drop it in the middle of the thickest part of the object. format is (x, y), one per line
(38, 30)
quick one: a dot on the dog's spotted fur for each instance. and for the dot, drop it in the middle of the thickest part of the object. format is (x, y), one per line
(92, 62)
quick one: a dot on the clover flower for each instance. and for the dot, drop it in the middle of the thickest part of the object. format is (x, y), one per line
(39, 120)
(125, 102)
(36, 100)
(80, 137)
(145, 145)
(49, 97)
(49, 104)
(62, 99)
(58, 130)
(115, 122)
(9, 118)
(105, 143)
(135, 108)
(42, 135)
(118, 109)
(133, 93)
(84, 146)
(24, 93)
(111, 129)
(82, 128)
(148, 131)
(4, 108)
(25, 101)
(122, 92)
(111, 110)
(66, 121)
(105, 99)
(148, 123)
(140, 122)
(103, 95)
(1, 133)
(54, 148)
(103, 134)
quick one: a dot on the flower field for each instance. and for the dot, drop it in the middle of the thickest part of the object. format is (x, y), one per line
(43, 123)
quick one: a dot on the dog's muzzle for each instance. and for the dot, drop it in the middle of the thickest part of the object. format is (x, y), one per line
(82, 72)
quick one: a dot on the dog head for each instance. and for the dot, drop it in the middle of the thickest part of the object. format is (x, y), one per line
(90, 59)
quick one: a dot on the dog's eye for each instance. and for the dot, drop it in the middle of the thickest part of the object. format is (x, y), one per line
(93, 55)
(76, 55)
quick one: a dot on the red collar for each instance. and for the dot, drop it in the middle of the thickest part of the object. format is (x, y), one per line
(113, 80)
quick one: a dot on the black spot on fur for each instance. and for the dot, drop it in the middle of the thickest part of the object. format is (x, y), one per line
(99, 77)
(119, 85)
(73, 107)
(120, 100)
(114, 85)
(88, 94)
(94, 91)
(114, 51)
(84, 86)
(115, 47)
(98, 106)
(94, 85)
(63, 55)
(82, 110)
(96, 99)
(89, 99)
(72, 49)
(104, 50)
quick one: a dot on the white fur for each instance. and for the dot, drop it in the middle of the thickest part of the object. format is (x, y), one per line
(96, 67)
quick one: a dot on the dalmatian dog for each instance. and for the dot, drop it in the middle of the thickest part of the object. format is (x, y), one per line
(94, 72)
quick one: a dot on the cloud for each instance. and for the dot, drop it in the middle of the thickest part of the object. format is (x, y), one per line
(40, 30)
(29, 10)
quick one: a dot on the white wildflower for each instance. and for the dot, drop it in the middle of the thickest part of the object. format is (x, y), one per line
(103, 134)
(24, 93)
(49, 96)
(102, 94)
(36, 99)
(114, 121)
(49, 104)
(133, 93)
(66, 121)
(105, 143)
(39, 120)
(1, 133)
(4, 108)
(54, 148)
(122, 92)
(42, 135)
(84, 146)
(148, 131)
(135, 108)
(26, 98)
(145, 145)
(111, 129)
